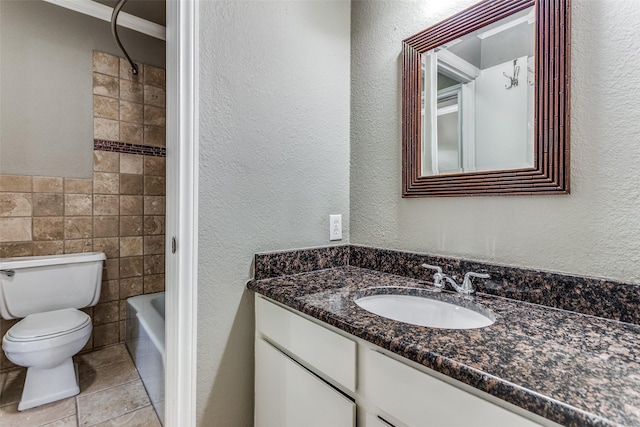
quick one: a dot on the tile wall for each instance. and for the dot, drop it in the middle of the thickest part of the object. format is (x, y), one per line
(126, 107)
(120, 211)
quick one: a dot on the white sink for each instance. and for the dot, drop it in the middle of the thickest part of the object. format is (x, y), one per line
(434, 310)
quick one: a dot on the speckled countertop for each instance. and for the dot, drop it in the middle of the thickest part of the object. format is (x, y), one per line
(570, 368)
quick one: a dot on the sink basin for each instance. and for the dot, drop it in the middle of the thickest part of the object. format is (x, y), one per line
(425, 308)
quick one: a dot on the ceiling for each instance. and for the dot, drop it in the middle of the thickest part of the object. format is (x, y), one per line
(151, 10)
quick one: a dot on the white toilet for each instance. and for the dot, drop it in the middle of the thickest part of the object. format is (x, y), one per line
(47, 291)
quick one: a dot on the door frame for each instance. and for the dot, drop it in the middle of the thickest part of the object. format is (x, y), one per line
(182, 212)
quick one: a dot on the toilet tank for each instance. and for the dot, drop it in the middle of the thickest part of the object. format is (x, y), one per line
(43, 283)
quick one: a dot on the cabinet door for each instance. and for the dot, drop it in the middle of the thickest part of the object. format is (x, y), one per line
(287, 395)
(316, 346)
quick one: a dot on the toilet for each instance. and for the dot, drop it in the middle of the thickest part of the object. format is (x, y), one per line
(46, 293)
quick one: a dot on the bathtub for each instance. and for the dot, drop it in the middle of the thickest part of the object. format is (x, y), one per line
(145, 342)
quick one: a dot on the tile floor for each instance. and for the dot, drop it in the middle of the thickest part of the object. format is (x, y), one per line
(111, 394)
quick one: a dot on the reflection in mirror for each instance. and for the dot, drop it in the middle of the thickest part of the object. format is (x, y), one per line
(478, 99)
(485, 102)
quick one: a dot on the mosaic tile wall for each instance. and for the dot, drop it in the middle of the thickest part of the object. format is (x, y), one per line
(120, 211)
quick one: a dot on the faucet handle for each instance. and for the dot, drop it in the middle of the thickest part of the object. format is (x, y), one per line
(466, 284)
(437, 276)
(433, 267)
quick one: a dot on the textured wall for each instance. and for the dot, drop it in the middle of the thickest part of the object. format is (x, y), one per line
(274, 163)
(594, 231)
(45, 86)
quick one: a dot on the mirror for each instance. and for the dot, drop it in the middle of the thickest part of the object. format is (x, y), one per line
(477, 99)
(486, 102)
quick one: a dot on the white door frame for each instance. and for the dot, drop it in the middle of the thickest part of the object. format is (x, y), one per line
(182, 212)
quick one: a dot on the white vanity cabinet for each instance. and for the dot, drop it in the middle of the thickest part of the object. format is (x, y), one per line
(287, 392)
(309, 375)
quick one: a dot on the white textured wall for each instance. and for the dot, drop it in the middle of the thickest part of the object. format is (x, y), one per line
(46, 100)
(594, 231)
(274, 163)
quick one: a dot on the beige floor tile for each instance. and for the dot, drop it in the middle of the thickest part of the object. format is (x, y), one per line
(111, 395)
(102, 357)
(71, 421)
(41, 415)
(107, 376)
(145, 417)
(107, 404)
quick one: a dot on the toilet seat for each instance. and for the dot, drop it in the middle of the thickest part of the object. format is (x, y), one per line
(46, 330)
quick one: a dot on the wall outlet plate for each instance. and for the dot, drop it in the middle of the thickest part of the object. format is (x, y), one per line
(335, 227)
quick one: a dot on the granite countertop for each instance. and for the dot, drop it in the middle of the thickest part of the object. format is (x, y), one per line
(570, 368)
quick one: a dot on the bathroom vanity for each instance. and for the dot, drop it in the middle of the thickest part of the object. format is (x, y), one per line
(330, 376)
(323, 360)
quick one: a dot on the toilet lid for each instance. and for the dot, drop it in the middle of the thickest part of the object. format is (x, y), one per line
(48, 324)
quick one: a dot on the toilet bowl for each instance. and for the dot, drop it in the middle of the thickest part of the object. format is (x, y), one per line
(46, 293)
(45, 344)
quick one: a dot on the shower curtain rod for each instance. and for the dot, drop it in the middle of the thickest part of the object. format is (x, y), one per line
(100, 11)
(114, 32)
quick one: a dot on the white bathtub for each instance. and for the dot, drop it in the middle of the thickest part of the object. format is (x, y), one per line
(146, 344)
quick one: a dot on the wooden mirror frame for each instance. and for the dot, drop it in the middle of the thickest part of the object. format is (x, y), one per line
(550, 172)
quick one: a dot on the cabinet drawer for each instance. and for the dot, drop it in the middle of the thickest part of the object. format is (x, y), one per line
(418, 399)
(318, 347)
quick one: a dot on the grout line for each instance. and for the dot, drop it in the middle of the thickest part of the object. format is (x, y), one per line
(79, 395)
(51, 421)
(118, 416)
(95, 368)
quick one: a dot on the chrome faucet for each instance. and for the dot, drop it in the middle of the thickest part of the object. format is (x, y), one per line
(437, 276)
(440, 279)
